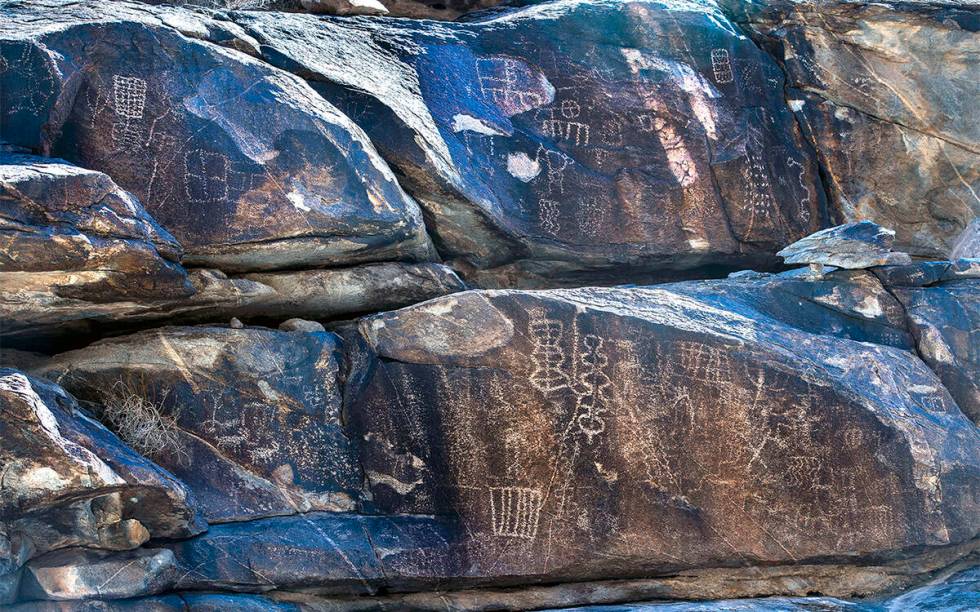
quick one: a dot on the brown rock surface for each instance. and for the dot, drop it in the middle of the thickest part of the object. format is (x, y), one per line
(884, 91)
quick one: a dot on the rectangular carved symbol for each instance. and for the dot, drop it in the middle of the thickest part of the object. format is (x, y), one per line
(515, 511)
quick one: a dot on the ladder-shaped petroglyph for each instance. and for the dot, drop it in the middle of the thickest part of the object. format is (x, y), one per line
(129, 106)
(584, 381)
(561, 124)
(721, 65)
(515, 511)
(128, 96)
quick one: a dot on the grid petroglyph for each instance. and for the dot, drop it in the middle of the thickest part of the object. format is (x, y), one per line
(515, 511)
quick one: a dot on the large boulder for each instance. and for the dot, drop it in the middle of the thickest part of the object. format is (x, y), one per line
(68, 481)
(884, 91)
(253, 414)
(245, 164)
(590, 433)
(627, 139)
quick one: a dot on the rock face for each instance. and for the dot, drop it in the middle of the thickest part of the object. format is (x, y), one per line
(945, 320)
(883, 91)
(209, 213)
(301, 186)
(35, 317)
(618, 137)
(585, 433)
(967, 245)
(260, 408)
(72, 235)
(852, 246)
(69, 482)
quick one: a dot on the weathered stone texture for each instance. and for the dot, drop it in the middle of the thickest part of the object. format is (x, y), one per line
(246, 165)
(885, 92)
(68, 481)
(589, 433)
(622, 138)
(260, 408)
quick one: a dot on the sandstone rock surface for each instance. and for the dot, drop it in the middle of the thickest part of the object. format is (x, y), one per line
(623, 138)
(246, 165)
(555, 431)
(68, 481)
(260, 408)
(883, 91)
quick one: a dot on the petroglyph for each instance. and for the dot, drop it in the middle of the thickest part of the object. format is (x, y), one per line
(513, 85)
(515, 511)
(585, 379)
(804, 210)
(721, 66)
(547, 355)
(554, 163)
(205, 176)
(548, 216)
(128, 96)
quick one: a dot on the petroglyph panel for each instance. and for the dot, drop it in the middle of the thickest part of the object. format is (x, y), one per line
(632, 411)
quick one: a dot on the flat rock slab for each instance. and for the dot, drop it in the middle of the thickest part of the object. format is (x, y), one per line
(864, 244)
(616, 137)
(332, 552)
(35, 318)
(256, 413)
(83, 574)
(245, 164)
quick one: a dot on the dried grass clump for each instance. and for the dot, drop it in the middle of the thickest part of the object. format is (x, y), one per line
(141, 423)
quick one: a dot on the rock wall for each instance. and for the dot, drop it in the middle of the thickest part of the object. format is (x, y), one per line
(306, 312)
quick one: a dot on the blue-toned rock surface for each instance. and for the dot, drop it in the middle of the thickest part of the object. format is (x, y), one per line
(243, 163)
(630, 139)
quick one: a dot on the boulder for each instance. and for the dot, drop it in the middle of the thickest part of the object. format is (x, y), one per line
(301, 325)
(604, 140)
(70, 482)
(303, 186)
(852, 246)
(881, 90)
(945, 320)
(72, 235)
(254, 414)
(85, 574)
(614, 433)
